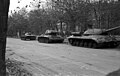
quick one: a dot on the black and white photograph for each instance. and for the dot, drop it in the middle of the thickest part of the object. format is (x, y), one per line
(59, 37)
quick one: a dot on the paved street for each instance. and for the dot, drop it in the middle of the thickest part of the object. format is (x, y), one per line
(63, 59)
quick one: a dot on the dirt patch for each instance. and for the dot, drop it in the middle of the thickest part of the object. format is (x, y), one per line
(16, 68)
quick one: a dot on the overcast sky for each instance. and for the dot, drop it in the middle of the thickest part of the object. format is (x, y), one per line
(14, 3)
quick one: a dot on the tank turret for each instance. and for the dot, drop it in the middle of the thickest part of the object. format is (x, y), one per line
(99, 31)
(96, 38)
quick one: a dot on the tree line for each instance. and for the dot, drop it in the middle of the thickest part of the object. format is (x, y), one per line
(69, 13)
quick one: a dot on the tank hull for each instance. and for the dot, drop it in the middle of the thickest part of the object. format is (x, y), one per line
(28, 37)
(94, 41)
(50, 40)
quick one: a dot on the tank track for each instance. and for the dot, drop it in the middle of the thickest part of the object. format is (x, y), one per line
(47, 40)
(88, 43)
(43, 40)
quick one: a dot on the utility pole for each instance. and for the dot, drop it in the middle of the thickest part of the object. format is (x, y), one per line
(4, 8)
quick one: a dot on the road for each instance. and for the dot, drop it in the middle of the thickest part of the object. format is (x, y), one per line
(63, 59)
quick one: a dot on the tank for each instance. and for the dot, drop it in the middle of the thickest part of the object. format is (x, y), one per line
(50, 36)
(28, 36)
(96, 38)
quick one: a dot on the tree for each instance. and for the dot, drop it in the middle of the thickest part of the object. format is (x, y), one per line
(73, 12)
(105, 13)
(38, 20)
(4, 7)
(18, 22)
(42, 19)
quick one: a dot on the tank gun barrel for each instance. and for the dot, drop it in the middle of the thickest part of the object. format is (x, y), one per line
(112, 29)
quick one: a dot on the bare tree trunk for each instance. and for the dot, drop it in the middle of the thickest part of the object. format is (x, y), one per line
(61, 27)
(4, 7)
(96, 16)
(108, 24)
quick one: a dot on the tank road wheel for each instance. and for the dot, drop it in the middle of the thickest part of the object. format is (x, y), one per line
(70, 41)
(85, 44)
(39, 40)
(23, 38)
(114, 45)
(77, 43)
(90, 44)
(74, 42)
(46, 40)
(94, 45)
(42, 40)
(81, 43)
(60, 41)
